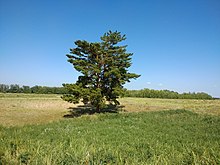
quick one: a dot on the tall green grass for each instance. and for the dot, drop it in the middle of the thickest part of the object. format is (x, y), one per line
(165, 137)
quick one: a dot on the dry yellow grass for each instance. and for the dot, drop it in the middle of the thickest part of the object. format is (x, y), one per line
(151, 104)
(21, 109)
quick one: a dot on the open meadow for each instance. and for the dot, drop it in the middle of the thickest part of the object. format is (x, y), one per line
(33, 130)
(21, 109)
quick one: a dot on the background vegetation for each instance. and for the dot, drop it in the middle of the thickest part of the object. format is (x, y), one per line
(15, 88)
(150, 93)
(144, 93)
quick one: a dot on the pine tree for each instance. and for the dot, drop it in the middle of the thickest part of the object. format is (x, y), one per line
(104, 68)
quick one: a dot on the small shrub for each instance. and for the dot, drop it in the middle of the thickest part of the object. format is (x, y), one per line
(24, 158)
(13, 149)
(2, 159)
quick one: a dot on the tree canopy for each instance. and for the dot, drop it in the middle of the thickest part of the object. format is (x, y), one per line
(104, 70)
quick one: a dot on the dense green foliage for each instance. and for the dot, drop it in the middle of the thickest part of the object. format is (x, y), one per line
(166, 137)
(14, 88)
(104, 70)
(144, 93)
(150, 93)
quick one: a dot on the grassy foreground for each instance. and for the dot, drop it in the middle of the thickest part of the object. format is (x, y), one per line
(34, 131)
(165, 137)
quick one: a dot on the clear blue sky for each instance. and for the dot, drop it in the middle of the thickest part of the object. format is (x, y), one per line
(176, 43)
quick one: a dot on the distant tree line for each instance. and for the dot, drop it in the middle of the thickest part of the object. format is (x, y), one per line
(143, 93)
(15, 88)
(150, 93)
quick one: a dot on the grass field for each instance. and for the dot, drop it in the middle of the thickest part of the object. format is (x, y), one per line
(34, 131)
(150, 104)
(21, 109)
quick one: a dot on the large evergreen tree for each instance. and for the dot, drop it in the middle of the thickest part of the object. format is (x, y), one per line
(104, 68)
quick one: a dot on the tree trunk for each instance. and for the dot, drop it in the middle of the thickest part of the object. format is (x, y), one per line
(98, 108)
